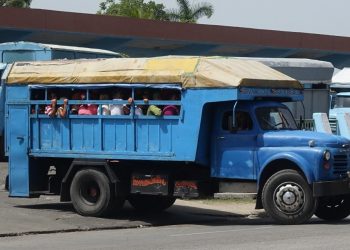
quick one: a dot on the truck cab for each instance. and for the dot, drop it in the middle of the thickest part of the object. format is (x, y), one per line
(237, 145)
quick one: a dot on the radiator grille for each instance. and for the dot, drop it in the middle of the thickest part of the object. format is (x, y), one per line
(340, 164)
(334, 125)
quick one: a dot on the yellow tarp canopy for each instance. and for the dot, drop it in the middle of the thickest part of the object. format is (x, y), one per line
(190, 72)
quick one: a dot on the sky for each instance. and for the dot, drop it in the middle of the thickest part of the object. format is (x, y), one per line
(310, 16)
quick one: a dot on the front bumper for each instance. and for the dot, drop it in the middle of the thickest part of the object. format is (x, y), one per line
(331, 188)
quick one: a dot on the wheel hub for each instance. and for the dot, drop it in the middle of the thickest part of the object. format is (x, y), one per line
(289, 198)
(90, 192)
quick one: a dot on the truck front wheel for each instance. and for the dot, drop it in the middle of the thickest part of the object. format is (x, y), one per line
(333, 208)
(151, 203)
(91, 193)
(287, 198)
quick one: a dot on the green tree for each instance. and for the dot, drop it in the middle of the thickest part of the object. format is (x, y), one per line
(190, 14)
(134, 8)
(15, 3)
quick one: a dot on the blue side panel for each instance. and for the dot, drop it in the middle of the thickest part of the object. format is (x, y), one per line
(85, 135)
(3, 74)
(17, 94)
(155, 135)
(18, 156)
(167, 135)
(34, 127)
(118, 135)
(53, 134)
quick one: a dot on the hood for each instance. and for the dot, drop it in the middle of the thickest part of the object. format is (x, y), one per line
(287, 138)
(333, 112)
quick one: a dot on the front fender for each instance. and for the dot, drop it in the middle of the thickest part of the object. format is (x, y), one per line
(303, 161)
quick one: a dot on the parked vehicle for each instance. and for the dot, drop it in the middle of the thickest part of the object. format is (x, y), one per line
(28, 51)
(340, 104)
(230, 126)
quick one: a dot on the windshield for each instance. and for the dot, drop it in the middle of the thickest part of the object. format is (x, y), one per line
(342, 102)
(18, 56)
(275, 118)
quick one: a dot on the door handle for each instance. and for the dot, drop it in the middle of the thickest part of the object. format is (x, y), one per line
(220, 137)
(20, 137)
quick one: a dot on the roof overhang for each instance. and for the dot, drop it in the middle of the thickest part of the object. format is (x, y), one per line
(137, 37)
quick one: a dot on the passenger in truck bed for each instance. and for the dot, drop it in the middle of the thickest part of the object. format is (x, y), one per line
(87, 109)
(104, 109)
(153, 109)
(171, 109)
(52, 110)
(117, 109)
(140, 94)
(62, 110)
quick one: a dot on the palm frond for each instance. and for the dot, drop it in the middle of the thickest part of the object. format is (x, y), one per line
(203, 9)
(174, 15)
(184, 8)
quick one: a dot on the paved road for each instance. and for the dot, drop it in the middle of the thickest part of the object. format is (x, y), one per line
(28, 216)
(39, 223)
(19, 216)
(253, 236)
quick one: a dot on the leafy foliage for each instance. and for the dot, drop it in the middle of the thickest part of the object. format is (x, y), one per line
(15, 3)
(186, 13)
(190, 14)
(134, 8)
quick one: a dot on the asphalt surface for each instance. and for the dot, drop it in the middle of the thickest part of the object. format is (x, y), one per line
(21, 216)
(314, 235)
(45, 222)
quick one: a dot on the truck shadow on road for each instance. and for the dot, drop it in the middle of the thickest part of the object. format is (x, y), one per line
(176, 215)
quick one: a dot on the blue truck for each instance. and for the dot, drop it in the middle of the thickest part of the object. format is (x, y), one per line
(230, 126)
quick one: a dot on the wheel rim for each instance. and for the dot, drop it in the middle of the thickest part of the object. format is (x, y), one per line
(289, 197)
(90, 192)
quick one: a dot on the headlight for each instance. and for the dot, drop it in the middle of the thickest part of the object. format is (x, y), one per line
(326, 155)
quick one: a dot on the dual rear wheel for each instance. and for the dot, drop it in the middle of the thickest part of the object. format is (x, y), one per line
(92, 195)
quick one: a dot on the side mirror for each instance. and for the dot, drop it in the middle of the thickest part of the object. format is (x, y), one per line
(231, 125)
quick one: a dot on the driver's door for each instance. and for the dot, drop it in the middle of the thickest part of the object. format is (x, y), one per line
(234, 152)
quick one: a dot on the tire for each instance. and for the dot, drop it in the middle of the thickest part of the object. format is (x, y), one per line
(333, 208)
(92, 195)
(287, 198)
(151, 203)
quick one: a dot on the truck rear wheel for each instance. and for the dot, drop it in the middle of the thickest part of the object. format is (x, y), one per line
(287, 198)
(91, 193)
(151, 203)
(333, 208)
